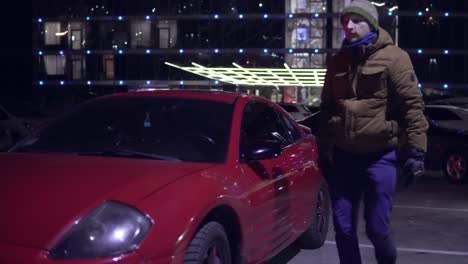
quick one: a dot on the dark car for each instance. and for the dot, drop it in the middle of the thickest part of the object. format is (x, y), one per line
(12, 129)
(447, 149)
(165, 177)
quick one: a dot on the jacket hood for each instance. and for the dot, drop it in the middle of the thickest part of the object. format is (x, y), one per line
(383, 39)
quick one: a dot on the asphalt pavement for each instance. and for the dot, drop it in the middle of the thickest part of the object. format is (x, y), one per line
(429, 222)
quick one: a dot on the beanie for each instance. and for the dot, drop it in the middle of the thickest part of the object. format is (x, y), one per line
(365, 9)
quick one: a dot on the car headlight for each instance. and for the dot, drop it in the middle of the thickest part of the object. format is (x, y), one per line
(111, 229)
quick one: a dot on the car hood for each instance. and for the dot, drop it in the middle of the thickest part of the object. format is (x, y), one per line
(42, 195)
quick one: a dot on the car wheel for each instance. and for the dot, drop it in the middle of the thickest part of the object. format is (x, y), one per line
(314, 237)
(210, 245)
(455, 166)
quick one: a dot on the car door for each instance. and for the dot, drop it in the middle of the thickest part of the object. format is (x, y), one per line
(305, 181)
(270, 198)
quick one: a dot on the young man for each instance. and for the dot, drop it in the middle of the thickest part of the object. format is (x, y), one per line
(371, 107)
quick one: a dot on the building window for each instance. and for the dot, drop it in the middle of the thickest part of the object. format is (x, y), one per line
(76, 39)
(77, 65)
(164, 34)
(51, 30)
(54, 64)
(302, 34)
(141, 34)
(109, 66)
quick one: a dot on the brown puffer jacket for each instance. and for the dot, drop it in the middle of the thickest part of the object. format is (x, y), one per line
(371, 101)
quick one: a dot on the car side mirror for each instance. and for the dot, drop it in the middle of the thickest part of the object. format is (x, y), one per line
(305, 129)
(265, 149)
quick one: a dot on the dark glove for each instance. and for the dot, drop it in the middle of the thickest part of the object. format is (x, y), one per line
(413, 167)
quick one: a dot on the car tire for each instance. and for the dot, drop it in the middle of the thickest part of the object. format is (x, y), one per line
(314, 237)
(455, 167)
(210, 241)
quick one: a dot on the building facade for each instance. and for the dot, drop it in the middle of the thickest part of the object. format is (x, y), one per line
(104, 46)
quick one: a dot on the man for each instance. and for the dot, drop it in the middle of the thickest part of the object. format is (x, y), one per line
(371, 109)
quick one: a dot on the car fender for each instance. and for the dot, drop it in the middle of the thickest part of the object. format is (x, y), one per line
(185, 205)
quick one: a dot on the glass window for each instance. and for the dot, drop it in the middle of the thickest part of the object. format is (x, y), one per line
(51, 29)
(141, 34)
(54, 64)
(261, 122)
(176, 128)
(292, 130)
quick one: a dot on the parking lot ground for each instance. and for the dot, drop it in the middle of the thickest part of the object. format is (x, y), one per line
(430, 224)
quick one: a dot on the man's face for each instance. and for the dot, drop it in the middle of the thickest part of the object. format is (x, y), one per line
(355, 27)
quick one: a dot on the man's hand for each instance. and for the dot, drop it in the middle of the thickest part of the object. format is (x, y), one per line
(413, 168)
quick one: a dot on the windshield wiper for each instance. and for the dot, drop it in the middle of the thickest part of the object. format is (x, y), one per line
(128, 153)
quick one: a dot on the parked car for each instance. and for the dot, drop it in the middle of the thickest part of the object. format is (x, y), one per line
(454, 101)
(448, 116)
(297, 111)
(447, 149)
(12, 129)
(163, 177)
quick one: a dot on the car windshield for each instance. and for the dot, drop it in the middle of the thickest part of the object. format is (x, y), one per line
(156, 128)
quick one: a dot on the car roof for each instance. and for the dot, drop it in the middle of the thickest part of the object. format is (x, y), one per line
(221, 96)
(451, 107)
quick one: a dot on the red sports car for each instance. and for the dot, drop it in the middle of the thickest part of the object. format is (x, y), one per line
(163, 177)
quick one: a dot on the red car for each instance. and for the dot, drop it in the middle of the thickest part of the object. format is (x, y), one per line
(163, 177)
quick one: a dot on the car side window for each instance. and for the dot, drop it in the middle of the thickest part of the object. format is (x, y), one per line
(441, 115)
(293, 131)
(261, 122)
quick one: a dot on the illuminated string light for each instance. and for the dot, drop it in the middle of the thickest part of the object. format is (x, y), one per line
(277, 77)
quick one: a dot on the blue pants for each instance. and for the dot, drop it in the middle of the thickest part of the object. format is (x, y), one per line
(371, 178)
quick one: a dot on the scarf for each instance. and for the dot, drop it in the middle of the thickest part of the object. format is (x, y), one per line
(366, 40)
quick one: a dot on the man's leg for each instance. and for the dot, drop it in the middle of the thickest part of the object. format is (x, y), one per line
(345, 190)
(378, 200)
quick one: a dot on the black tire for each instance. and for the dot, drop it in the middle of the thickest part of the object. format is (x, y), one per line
(314, 237)
(210, 245)
(455, 167)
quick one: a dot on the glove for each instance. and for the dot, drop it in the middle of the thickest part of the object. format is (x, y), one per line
(413, 167)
